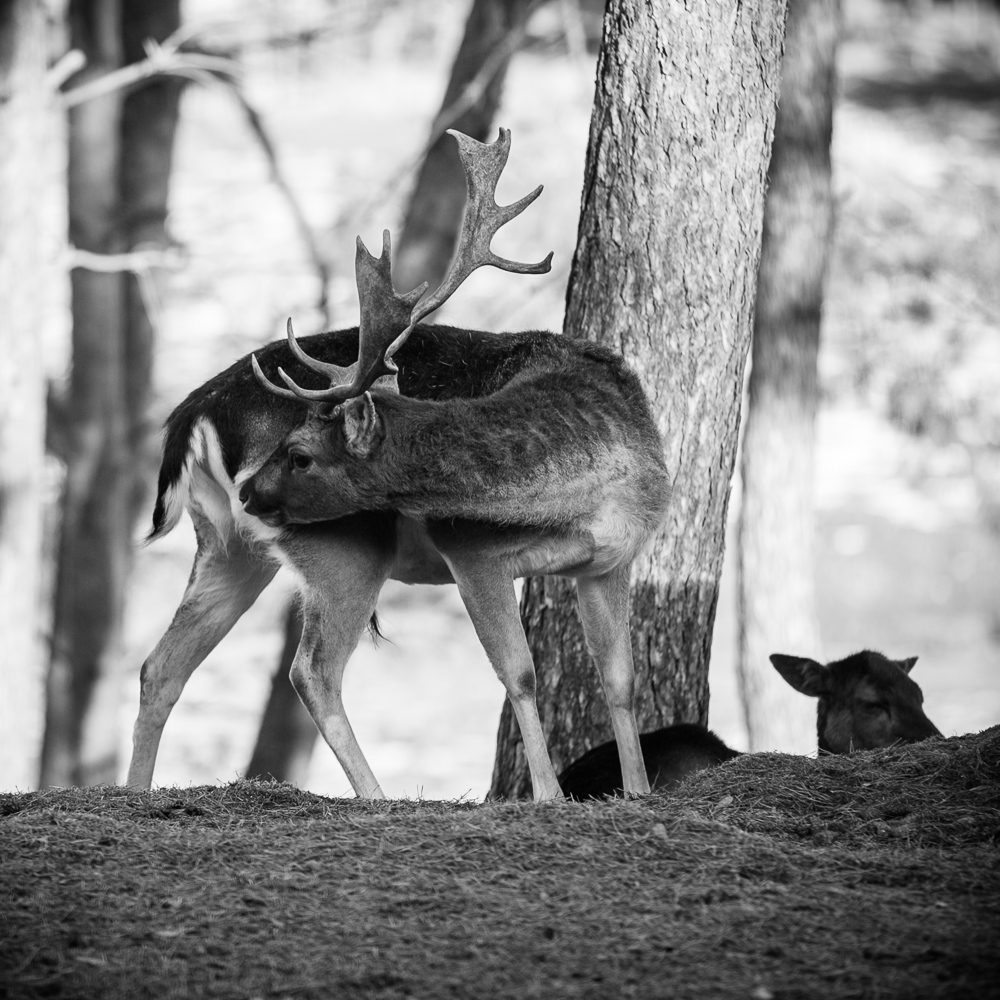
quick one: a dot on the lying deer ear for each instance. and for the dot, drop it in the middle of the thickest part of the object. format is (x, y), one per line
(363, 430)
(805, 675)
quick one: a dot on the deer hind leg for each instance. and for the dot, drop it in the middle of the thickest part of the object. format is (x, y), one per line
(225, 581)
(488, 594)
(603, 602)
(343, 567)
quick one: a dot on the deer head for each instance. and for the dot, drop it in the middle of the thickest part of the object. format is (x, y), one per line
(865, 701)
(318, 470)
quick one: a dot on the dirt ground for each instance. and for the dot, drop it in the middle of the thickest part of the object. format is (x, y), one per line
(770, 878)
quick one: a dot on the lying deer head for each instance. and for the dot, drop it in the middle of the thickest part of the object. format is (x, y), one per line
(866, 701)
(329, 467)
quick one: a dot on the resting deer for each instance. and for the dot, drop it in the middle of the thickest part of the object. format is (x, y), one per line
(439, 455)
(865, 701)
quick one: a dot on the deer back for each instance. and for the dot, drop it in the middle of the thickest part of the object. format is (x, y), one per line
(227, 428)
(567, 442)
(669, 754)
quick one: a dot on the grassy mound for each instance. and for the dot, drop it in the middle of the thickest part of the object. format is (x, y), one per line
(873, 874)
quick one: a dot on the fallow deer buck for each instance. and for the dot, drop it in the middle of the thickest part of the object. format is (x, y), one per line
(440, 455)
(864, 702)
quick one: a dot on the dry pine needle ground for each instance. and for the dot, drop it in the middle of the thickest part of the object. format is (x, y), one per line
(874, 875)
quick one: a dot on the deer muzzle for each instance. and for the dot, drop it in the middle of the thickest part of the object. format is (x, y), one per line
(260, 505)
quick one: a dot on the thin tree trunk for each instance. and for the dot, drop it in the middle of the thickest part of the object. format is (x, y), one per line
(28, 277)
(777, 607)
(113, 153)
(664, 272)
(434, 214)
(287, 732)
(92, 557)
(149, 123)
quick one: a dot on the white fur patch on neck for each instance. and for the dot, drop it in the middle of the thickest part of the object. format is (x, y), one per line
(205, 486)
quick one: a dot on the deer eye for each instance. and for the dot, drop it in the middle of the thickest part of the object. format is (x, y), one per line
(299, 460)
(876, 708)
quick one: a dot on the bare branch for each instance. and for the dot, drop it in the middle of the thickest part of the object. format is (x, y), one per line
(447, 117)
(140, 261)
(474, 89)
(70, 63)
(306, 234)
(207, 69)
(161, 60)
(136, 261)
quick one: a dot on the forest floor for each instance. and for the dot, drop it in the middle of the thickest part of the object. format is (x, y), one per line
(770, 878)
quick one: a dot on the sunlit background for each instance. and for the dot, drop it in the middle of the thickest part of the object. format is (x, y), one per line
(908, 477)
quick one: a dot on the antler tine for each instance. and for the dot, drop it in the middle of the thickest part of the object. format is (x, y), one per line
(336, 372)
(267, 383)
(383, 315)
(483, 164)
(338, 376)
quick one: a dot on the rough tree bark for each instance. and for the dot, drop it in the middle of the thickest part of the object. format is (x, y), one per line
(777, 610)
(28, 276)
(423, 251)
(664, 272)
(118, 162)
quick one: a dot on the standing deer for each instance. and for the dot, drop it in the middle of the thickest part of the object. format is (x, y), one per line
(439, 455)
(864, 702)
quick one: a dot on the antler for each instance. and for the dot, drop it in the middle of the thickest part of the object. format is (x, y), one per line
(483, 218)
(387, 319)
(383, 315)
(337, 374)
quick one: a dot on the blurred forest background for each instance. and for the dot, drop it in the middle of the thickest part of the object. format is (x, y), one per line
(908, 460)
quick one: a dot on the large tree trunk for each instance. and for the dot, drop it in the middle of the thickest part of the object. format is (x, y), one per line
(664, 272)
(777, 612)
(424, 249)
(114, 153)
(28, 277)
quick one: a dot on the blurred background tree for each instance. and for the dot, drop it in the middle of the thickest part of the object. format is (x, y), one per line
(777, 526)
(30, 246)
(493, 32)
(120, 147)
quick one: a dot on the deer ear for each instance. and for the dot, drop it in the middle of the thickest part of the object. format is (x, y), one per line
(363, 429)
(805, 675)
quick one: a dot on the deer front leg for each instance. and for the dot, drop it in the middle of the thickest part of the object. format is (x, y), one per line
(488, 593)
(329, 636)
(225, 581)
(603, 605)
(344, 566)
